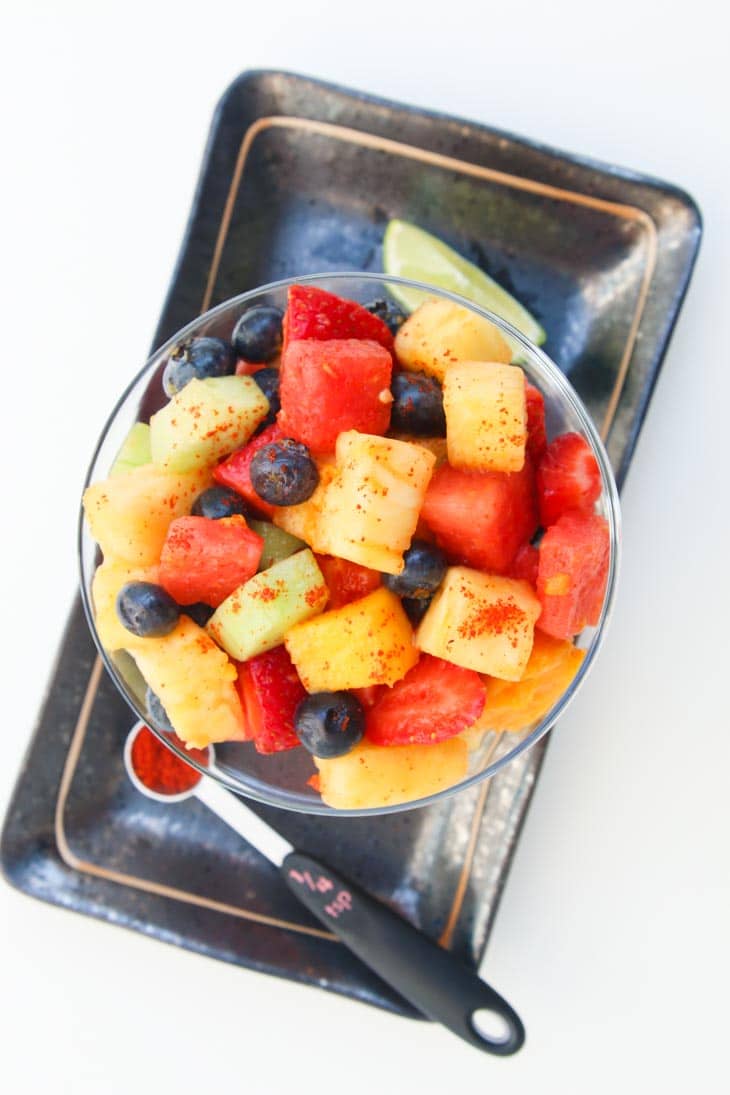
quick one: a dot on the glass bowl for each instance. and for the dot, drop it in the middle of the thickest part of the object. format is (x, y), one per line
(281, 779)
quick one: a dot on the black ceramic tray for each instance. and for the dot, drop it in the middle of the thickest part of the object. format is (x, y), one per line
(301, 177)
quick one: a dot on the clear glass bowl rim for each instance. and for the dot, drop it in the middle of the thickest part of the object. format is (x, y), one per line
(316, 806)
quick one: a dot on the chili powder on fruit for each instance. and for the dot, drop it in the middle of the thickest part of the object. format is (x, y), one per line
(161, 770)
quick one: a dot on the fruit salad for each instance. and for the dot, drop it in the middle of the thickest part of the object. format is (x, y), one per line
(348, 532)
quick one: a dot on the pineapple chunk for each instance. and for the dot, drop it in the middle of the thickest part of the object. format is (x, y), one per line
(486, 416)
(482, 622)
(196, 684)
(129, 514)
(513, 706)
(257, 615)
(108, 580)
(370, 509)
(305, 520)
(383, 775)
(366, 642)
(440, 333)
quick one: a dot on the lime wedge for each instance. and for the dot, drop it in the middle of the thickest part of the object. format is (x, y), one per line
(409, 252)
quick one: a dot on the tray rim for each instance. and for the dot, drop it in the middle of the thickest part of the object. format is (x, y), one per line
(475, 129)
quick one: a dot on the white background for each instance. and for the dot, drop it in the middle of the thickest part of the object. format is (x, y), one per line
(612, 937)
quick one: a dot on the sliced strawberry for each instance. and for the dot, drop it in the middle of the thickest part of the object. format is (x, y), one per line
(536, 435)
(270, 692)
(235, 470)
(330, 386)
(524, 564)
(205, 560)
(315, 313)
(568, 478)
(572, 573)
(481, 518)
(346, 581)
(434, 701)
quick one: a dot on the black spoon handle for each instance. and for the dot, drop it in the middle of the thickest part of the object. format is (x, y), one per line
(430, 978)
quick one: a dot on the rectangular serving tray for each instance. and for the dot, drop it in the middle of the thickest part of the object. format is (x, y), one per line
(301, 177)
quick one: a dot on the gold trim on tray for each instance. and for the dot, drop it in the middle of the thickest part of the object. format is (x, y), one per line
(382, 144)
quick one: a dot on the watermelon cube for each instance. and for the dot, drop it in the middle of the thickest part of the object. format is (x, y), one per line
(205, 560)
(568, 478)
(331, 386)
(481, 518)
(572, 573)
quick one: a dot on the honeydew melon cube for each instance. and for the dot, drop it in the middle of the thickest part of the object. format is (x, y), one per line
(206, 421)
(278, 544)
(257, 616)
(135, 450)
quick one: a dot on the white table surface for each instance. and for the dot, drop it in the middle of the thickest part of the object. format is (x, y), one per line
(612, 937)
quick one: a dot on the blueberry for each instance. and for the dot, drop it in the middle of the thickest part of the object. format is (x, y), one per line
(392, 316)
(283, 473)
(423, 573)
(157, 712)
(217, 502)
(416, 608)
(257, 335)
(268, 381)
(199, 613)
(146, 609)
(329, 724)
(418, 405)
(197, 358)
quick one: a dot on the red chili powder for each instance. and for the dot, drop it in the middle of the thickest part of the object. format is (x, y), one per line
(161, 770)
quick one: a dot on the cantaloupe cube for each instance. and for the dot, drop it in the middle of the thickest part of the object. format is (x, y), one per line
(482, 622)
(196, 683)
(440, 333)
(512, 706)
(486, 416)
(383, 775)
(129, 515)
(366, 642)
(370, 509)
(107, 581)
